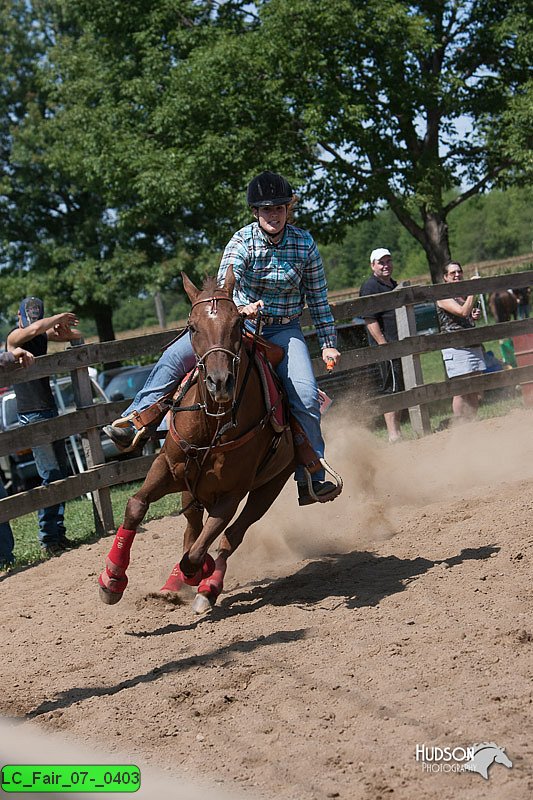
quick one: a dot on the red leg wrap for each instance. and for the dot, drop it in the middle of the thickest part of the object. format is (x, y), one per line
(175, 580)
(207, 569)
(213, 585)
(119, 555)
(114, 578)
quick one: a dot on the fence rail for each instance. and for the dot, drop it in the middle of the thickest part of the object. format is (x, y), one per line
(88, 418)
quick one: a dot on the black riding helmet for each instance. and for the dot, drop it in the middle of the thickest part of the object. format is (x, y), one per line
(269, 189)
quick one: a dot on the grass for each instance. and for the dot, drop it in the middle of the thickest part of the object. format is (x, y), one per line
(495, 404)
(79, 521)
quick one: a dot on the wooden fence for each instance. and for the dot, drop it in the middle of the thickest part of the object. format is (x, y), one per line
(88, 419)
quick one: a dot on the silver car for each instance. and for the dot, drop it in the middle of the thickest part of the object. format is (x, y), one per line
(19, 469)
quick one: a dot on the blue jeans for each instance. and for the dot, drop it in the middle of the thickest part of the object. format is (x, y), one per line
(52, 465)
(7, 542)
(295, 373)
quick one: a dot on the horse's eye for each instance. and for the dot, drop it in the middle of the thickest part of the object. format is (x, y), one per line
(192, 329)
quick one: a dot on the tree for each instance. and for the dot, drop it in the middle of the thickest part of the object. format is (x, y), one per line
(375, 100)
(61, 234)
(362, 104)
(131, 153)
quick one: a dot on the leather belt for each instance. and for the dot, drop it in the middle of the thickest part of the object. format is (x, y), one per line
(278, 320)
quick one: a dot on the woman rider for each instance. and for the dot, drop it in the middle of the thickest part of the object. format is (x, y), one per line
(277, 269)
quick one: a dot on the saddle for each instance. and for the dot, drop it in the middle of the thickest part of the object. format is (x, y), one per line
(267, 356)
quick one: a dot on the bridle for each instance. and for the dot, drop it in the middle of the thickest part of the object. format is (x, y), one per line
(199, 454)
(201, 360)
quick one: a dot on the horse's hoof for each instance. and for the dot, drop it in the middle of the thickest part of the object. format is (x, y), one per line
(202, 604)
(109, 598)
(194, 579)
(111, 588)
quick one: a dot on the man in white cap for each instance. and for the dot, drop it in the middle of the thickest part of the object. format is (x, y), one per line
(381, 328)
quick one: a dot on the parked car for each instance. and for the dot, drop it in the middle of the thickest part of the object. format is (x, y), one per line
(127, 383)
(19, 468)
(107, 375)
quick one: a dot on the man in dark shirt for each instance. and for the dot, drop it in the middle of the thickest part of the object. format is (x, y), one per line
(381, 328)
(36, 402)
(7, 543)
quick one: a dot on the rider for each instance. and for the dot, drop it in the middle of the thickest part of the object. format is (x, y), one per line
(277, 269)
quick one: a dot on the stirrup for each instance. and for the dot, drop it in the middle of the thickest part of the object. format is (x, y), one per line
(140, 435)
(336, 477)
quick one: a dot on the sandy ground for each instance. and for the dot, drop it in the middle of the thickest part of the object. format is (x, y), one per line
(349, 634)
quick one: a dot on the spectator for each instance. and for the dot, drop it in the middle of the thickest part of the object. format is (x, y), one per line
(459, 314)
(36, 402)
(277, 269)
(7, 542)
(522, 298)
(381, 327)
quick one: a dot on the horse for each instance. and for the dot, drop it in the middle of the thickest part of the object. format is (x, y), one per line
(486, 754)
(220, 448)
(503, 305)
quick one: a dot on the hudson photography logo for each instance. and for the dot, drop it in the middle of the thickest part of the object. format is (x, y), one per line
(477, 758)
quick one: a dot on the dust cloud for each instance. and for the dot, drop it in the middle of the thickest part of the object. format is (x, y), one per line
(378, 478)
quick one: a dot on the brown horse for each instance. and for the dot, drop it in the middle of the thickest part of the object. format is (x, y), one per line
(220, 448)
(503, 305)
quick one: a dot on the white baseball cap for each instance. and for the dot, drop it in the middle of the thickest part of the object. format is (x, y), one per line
(375, 255)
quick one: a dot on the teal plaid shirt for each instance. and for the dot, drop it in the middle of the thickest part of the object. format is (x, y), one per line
(284, 276)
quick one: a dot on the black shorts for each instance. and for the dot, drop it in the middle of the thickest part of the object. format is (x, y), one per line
(391, 376)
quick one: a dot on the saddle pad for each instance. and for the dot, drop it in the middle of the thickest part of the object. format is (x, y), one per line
(273, 398)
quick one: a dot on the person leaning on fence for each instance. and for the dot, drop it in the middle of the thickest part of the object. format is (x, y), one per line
(381, 327)
(7, 542)
(277, 269)
(459, 314)
(523, 299)
(36, 402)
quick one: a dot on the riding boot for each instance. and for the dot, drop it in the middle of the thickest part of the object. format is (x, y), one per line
(125, 435)
(131, 432)
(312, 490)
(323, 492)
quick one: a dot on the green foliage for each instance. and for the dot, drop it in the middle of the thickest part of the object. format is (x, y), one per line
(496, 225)
(491, 226)
(128, 132)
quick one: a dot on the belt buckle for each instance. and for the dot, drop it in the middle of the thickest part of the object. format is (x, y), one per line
(276, 320)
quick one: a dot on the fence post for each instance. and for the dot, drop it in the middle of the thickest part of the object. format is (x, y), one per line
(412, 368)
(93, 451)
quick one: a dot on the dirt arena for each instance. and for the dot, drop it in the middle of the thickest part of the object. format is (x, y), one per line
(399, 616)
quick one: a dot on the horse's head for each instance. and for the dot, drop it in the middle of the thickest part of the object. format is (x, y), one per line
(215, 327)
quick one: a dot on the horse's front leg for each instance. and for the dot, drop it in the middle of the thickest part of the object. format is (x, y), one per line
(194, 515)
(113, 580)
(258, 503)
(196, 564)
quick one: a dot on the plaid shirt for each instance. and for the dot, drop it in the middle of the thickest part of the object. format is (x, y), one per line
(284, 276)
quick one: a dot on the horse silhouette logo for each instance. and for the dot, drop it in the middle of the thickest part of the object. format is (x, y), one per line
(486, 754)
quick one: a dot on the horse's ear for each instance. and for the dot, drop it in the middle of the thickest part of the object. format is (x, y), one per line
(190, 288)
(229, 282)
